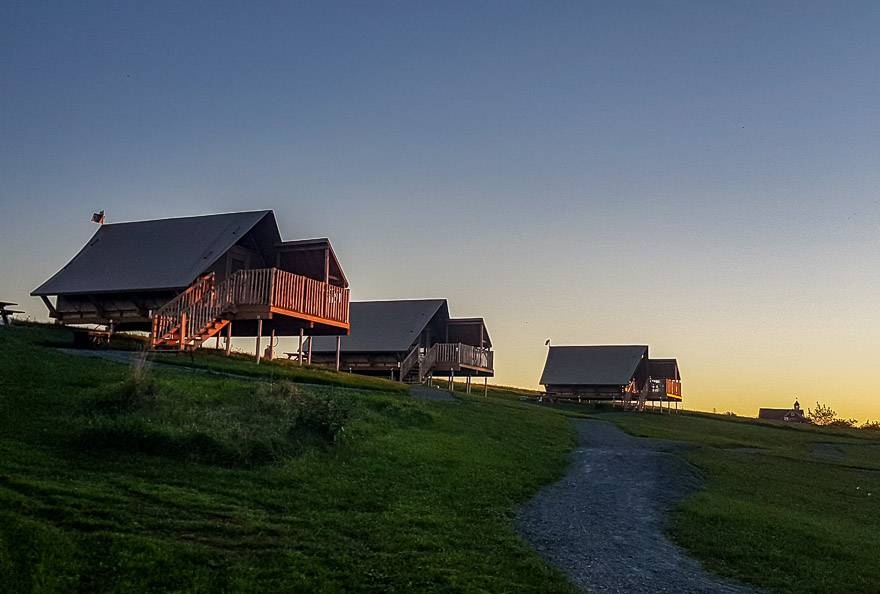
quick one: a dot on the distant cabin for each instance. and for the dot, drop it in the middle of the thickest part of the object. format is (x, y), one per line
(786, 415)
(410, 340)
(610, 373)
(187, 279)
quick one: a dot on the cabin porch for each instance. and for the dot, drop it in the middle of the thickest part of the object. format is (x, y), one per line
(249, 303)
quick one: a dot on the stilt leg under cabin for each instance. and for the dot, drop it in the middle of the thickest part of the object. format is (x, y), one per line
(259, 336)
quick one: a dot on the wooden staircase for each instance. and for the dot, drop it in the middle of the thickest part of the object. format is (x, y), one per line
(191, 318)
(636, 401)
(410, 368)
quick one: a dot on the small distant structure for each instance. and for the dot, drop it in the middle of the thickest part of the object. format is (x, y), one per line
(623, 374)
(787, 415)
(411, 340)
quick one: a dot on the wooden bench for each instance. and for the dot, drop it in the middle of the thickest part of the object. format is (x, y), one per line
(294, 356)
(90, 339)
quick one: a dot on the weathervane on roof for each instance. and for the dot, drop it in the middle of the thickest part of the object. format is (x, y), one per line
(98, 217)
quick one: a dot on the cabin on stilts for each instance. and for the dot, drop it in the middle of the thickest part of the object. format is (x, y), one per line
(185, 280)
(621, 374)
(411, 341)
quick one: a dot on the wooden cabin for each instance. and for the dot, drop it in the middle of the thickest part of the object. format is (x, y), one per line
(786, 415)
(186, 279)
(618, 373)
(411, 341)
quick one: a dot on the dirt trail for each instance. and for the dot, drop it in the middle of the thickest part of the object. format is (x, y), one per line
(603, 523)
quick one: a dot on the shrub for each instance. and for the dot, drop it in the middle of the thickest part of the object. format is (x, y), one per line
(871, 425)
(307, 413)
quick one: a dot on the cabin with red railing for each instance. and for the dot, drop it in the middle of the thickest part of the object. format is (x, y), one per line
(187, 279)
(411, 340)
(622, 374)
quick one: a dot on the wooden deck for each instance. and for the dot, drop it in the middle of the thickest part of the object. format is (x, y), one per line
(197, 313)
(457, 358)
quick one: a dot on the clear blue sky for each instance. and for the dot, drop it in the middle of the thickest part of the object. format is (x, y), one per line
(699, 176)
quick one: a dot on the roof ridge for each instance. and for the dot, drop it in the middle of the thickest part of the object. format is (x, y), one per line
(186, 217)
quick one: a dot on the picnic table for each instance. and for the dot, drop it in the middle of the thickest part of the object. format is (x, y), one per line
(85, 338)
(294, 356)
(6, 313)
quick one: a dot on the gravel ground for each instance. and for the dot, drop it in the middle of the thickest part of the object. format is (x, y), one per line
(828, 451)
(426, 393)
(603, 523)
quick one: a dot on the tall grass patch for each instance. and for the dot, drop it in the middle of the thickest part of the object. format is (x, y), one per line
(250, 425)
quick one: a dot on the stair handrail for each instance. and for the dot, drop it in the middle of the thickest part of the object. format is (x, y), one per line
(409, 362)
(167, 318)
(427, 363)
(202, 303)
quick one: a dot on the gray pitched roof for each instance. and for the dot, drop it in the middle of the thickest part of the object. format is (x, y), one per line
(592, 365)
(384, 326)
(150, 255)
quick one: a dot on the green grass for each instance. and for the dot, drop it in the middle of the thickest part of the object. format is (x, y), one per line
(793, 515)
(193, 482)
(239, 364)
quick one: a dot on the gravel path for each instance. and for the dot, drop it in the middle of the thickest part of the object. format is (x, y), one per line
(603, 523)
(422, 392)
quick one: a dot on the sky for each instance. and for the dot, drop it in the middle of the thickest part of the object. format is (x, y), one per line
(701, 177)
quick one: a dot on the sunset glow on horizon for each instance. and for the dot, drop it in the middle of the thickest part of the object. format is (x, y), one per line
(699, 179)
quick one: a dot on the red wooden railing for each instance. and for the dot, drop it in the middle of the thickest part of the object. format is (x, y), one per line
(204, 301)
(308, 296)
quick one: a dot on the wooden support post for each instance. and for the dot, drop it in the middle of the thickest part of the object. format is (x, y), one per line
(154, 340)
(52, 311)
(338, 350)
(272, 345)
(229, 338)
(310, 350)
(217, 344)
(182, 333)
(300, 347)
(259, 336)
(486, 386)
(451, 380)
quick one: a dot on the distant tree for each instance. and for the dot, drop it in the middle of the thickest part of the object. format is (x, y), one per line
(825, 416)
(822, 414)
(871, 425)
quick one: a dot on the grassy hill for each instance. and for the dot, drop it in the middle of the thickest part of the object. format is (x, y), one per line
(184, 481)
(213, 474)
(788, 508)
